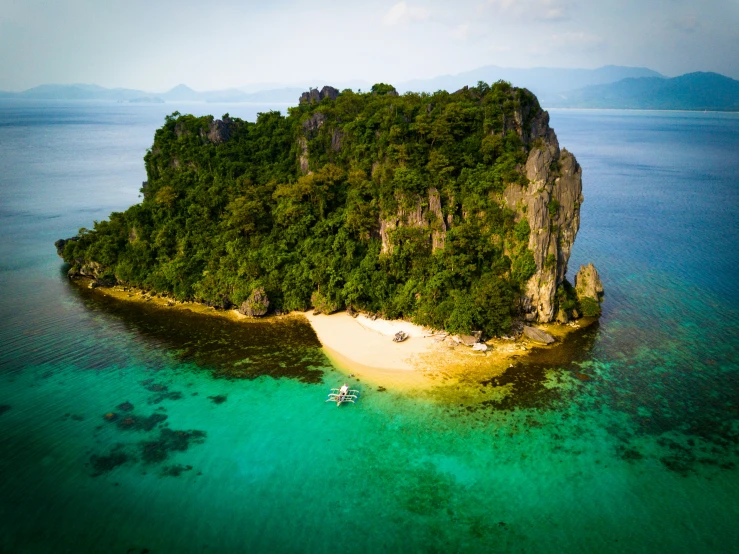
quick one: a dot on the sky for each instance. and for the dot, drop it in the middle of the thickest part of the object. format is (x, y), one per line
(154, 45)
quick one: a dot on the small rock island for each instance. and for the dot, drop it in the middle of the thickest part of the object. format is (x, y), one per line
(456, 211)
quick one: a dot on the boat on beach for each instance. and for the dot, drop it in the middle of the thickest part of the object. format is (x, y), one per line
(400, 336)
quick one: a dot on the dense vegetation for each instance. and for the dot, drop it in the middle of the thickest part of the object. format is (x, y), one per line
(227, 208)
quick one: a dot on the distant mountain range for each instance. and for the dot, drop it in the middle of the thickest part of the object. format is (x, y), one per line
(692, 91)
(606, 87)
(180, 93)
(545, 82)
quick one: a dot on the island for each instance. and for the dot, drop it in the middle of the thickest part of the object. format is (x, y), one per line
(452, 213)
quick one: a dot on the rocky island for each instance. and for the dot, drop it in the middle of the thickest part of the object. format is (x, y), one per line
(454, 211)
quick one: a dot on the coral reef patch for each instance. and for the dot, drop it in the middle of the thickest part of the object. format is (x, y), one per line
(169, 441)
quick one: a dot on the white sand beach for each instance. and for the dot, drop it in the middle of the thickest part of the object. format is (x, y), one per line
(370, 342)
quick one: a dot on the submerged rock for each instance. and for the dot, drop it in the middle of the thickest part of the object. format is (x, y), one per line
(169, 441)
(175, 470)
(103, 464)
(537, 335)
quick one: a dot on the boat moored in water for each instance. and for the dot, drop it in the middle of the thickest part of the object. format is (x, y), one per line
(339, 396)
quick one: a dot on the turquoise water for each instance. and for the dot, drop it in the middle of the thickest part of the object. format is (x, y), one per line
(127, 429)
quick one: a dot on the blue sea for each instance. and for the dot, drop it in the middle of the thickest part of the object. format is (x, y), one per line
(124, 429)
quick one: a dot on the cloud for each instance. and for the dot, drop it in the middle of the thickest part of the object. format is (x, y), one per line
(541, 10)
(579, 38)
(403, 13)
(460, 32)
(499, 48)
(686, 24)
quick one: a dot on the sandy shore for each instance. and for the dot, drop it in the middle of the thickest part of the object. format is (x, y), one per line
(370, 342)
(364, 348)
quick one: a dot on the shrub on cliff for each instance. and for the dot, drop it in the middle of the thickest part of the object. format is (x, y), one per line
(590, 307)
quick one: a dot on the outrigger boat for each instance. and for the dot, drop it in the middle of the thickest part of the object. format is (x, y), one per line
(339, 397)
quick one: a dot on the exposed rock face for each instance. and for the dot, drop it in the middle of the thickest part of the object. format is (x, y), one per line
(256, 305)
(313, 95)
(336, 138)
(426, 214)
(588, 283)
(438, 235)
(551, 203)
(303, 159)
(537, 335)
(90, 269)
(219, 131)
(314, 122)
(61, 243)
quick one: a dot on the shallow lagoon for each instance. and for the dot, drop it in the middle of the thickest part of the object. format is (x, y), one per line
(624, 439)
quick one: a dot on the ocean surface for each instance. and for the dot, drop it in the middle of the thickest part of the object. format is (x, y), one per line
(124, 429)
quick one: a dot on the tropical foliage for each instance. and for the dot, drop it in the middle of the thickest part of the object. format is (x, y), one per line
(294, 204)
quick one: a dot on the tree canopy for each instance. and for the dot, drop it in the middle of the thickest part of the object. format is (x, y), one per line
(298, 205)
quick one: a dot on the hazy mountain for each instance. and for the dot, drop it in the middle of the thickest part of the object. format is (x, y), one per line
(545, 82)
(288, 95)
(605, 87)
(77, 92)
(181, 93)
(692, 91)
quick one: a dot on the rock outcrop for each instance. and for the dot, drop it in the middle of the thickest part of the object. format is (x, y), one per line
(256, 305)
(588, 283)
(537, 335)
(61, 243)
(219, 130)
(314, 95)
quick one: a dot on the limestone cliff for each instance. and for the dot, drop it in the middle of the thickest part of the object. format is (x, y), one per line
(551, 204)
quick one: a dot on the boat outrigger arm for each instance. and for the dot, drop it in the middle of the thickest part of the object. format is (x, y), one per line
(336, 396)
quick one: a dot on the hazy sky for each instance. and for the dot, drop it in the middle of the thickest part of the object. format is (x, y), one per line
(154, 45)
